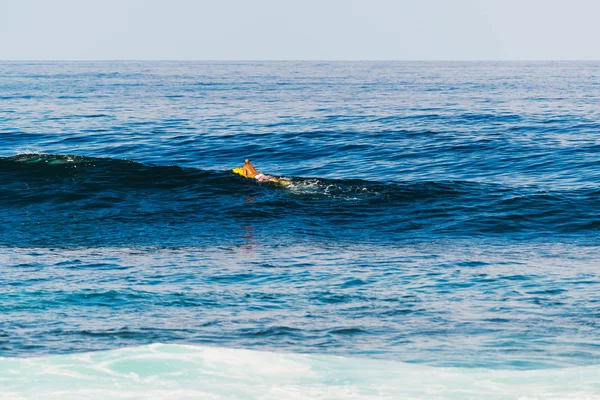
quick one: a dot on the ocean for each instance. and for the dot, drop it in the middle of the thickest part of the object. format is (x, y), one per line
(438, 240)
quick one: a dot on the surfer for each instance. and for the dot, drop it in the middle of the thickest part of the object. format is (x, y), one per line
(249, 171)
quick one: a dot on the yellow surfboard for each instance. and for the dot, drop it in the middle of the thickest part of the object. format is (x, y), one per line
(239, 171)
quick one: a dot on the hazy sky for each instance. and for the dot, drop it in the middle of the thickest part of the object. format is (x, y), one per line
(300, 29)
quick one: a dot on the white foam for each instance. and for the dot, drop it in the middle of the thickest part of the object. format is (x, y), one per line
(194, 372)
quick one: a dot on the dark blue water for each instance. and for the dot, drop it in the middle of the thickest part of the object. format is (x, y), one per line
(439, 213)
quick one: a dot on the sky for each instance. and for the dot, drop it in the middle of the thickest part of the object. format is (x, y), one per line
(299, 30)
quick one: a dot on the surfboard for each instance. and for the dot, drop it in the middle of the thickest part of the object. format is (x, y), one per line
(238, 171)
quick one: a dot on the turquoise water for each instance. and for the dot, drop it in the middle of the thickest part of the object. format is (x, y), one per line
(192, 372)
(439, 238)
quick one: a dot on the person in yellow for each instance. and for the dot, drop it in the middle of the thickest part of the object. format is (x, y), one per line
(249, 171)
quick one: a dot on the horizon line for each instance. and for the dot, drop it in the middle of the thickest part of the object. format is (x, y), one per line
(295, 60)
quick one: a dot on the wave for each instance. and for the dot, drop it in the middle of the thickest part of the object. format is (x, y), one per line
(183, 371)
(116, 173)
(95, 175)
(51, 190)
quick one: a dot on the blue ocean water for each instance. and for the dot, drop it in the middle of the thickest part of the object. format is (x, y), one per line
(442, 220)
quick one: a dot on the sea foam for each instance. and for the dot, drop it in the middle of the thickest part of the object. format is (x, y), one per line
(185, 372)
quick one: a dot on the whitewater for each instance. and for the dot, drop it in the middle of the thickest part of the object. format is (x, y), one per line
(191, 372)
